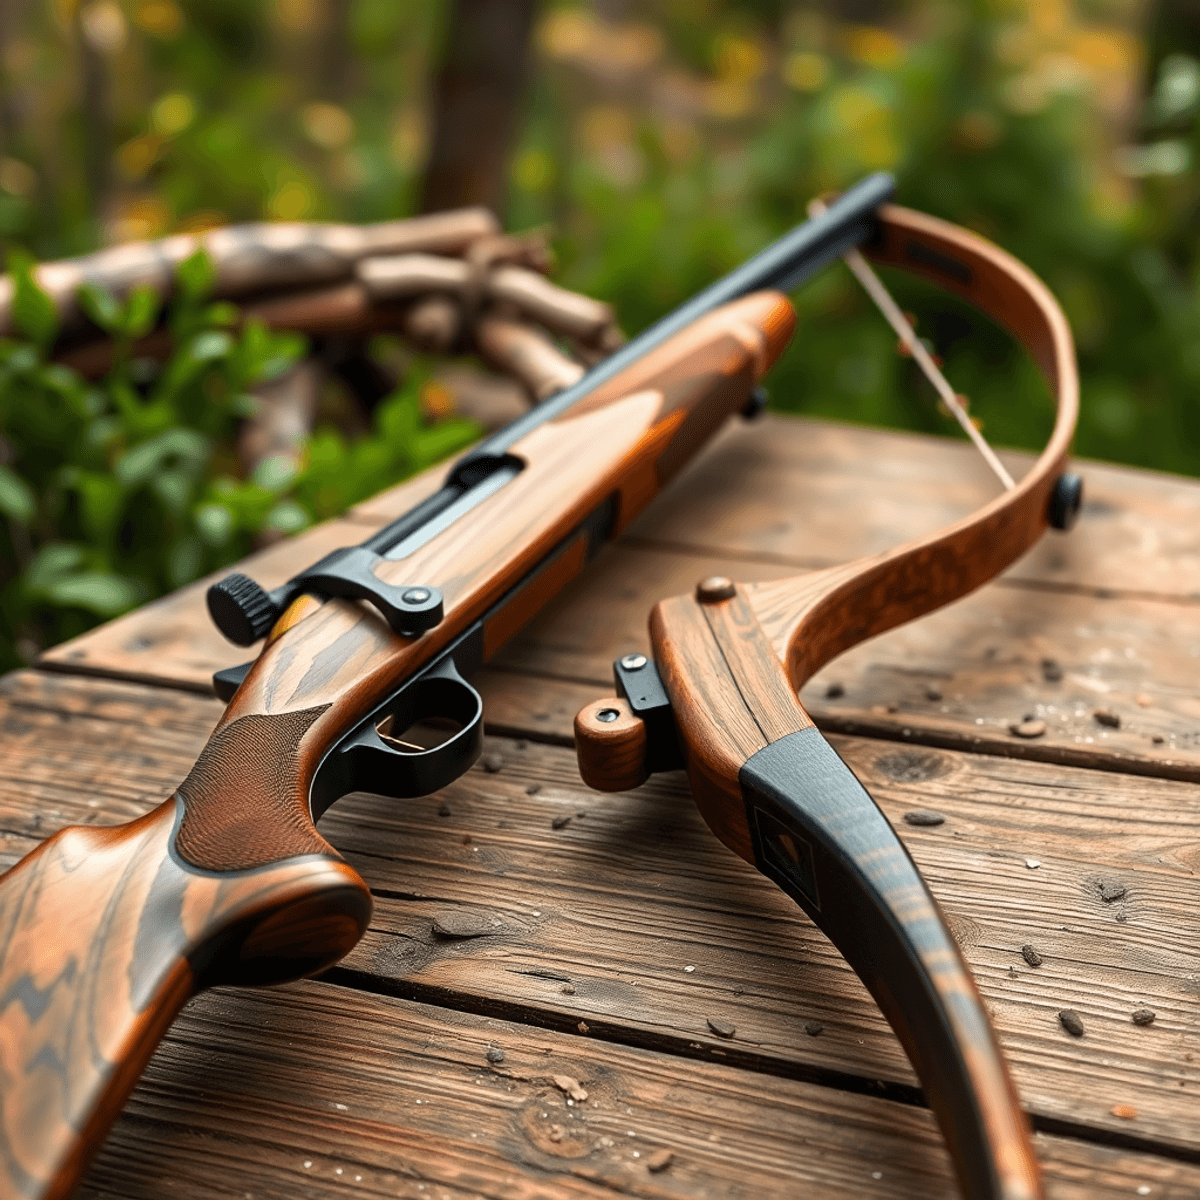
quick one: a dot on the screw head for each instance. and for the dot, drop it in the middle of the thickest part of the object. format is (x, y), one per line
(416, 595)
(607, 715)
(634, 662)
(715, 588)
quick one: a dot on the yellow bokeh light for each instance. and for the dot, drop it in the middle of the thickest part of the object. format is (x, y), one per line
(137, 219)
(738, 59)
(290, 201)
(172, 114)
(873, 47)
(160, 18)
(605, 126)
(567, 33)
(136, 157)
(297, 16)
(327, 126)
(805, 71)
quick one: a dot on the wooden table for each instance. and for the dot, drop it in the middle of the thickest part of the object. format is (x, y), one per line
(615, 928)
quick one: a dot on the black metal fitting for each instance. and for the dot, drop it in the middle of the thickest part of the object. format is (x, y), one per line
(245, 612)
(639, 682)
(756, 404)
(1066, 501)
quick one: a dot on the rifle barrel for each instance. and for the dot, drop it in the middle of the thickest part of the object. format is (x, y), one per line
(782, 266)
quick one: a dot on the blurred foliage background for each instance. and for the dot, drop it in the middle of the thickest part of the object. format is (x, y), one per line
(663, 140)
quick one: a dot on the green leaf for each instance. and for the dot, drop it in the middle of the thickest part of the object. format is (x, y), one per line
(186, 447)
(101, 306)
(222, 313)
(275, 472)
(184, 561)
(17, 501)
(195, 276)
(174, 488)
(34, 313)
(100, 503)
(52, 560)
(287, 518)
(98, 591)
(214, 344)
(214, 523)
(141, 311)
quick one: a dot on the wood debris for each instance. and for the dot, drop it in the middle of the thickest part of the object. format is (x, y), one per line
(570, 1086)
(924, 817)
(660, 1160)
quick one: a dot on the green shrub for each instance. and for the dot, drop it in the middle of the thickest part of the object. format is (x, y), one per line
(115, 492)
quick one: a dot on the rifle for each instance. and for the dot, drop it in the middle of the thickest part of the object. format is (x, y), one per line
(719, 697)
(105, 933)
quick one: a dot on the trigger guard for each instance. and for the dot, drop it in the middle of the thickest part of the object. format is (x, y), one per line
(363, 761)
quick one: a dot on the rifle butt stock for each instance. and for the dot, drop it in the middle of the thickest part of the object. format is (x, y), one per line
(107, 932)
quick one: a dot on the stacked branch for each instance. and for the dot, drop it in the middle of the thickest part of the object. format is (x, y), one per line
(447, 283)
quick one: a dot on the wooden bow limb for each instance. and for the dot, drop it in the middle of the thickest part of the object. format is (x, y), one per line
(728, 663)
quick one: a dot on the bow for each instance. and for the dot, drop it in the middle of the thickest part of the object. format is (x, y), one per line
(719, 697)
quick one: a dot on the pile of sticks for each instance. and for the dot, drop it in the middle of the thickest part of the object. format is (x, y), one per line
(447, 283)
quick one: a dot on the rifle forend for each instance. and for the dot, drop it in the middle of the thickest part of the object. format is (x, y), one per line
(107, 932)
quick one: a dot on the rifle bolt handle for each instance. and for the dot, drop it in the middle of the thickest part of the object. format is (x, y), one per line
(241, 610)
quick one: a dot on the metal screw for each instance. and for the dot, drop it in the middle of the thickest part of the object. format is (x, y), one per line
(714, 589)
(607, 715)
(634, 662)
(415, 596)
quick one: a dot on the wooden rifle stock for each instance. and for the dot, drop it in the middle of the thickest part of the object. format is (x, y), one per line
(105, 933)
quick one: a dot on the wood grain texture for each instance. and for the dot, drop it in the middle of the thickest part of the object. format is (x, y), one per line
(619, 901)
(1110, 604)
(811, 619)
(243, 888)
(105, 935)
(411, 1107)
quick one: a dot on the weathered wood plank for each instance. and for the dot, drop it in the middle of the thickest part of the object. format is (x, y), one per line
(313, 1090)
(809, 493)
(618, 903)
(960, 677)
(1112, 605)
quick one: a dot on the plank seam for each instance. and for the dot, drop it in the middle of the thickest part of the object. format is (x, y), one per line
(679, 1047)
(767, 558)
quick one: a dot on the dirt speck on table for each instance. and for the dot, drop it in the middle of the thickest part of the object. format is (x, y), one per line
(1071, 1021)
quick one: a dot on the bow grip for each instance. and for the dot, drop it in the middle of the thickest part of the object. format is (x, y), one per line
(774, 791)
(106, 932)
